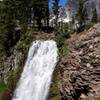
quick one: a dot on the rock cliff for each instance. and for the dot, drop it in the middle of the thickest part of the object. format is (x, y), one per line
(80, 68)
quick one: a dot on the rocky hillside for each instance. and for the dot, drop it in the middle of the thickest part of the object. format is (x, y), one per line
(80, 68)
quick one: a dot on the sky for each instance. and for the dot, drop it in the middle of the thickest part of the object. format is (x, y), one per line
(61, 3)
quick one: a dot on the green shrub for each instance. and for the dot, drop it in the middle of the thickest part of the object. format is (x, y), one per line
(66, 35)
(61, 44)
(3, 87)
(13, 77)
(54, 89)
(89, 25)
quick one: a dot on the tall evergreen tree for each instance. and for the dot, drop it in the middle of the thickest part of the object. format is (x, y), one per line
(41, 11)
(23, 11)
(55, 11)
(7, 27)
(95, 16)
(47, 12)
(81, 15)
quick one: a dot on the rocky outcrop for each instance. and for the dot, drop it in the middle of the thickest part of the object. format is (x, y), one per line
(16, 58)
(11, 63)
(6, 65)
(80, 68)
(11, 66)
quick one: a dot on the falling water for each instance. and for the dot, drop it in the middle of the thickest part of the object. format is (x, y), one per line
(36, 77)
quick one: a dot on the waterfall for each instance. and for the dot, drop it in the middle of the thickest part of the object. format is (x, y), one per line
(37, 73)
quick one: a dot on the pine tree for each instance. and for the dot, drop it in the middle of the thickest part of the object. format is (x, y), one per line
(6, 31)
(41, 11)
(47, 13)
(56, 11)
(23, 11)
(94, 17)
(81, 15)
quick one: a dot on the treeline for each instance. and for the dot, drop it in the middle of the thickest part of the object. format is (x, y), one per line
(27, 11)
(17, 16)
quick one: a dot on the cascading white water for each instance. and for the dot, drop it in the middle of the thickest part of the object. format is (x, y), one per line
(36, 77)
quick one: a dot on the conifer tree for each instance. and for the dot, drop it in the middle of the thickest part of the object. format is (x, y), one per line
(23, 11)
(55, 11)
(94, 17)
(81, 15)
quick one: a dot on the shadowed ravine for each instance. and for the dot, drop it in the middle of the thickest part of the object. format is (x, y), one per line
(36, 77)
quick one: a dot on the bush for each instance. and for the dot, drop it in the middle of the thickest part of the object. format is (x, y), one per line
(3, 90)
(89, 25)
(6, 95)
(54, 93)
(13, 77)
(66, 35)
(2, 87)
(62, 46)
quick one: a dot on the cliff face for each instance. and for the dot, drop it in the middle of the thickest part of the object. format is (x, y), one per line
(80, 68)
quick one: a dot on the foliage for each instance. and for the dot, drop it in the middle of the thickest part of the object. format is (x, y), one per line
(2, 87)
(13, 77)
(28, 13)
(81, 15)
(66, 30)
(25, 42)
(97, 98)
(94, 17)
(89, 25)
(60, 39)
(6, 30)
(40, 11)
(56, 12)
(54, 89)
(6, 90)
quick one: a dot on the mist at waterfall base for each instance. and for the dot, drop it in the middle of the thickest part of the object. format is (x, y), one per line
(37, 73)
